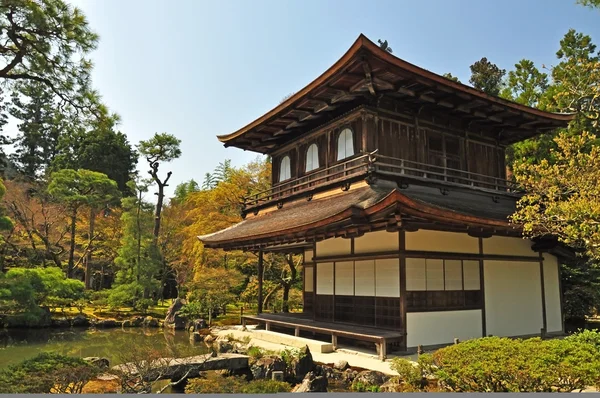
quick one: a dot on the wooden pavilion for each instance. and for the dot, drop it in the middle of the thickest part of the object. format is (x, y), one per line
(391, 181)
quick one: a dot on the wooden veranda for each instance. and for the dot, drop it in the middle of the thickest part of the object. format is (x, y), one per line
(382, 338)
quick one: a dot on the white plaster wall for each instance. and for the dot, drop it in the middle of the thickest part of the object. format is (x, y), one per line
(552, 293)
(430, 328)
(416, 279)
(308, 255)
(333, 247)
(344, 278)
(376, 241)
(440, 241)
(505, 245)
(513, 298)
(308, 279)
(435, 274)
(387, 277)
(364, 282)
(325, 278)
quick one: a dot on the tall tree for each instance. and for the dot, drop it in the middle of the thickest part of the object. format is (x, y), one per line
(40, 125)
(138, 261)
(96, 145)
(183, 189)
(487, 76)
(162, 147)
(589, 3)
(526, 84)
(562, 196)
(78, 188)
(46, 41)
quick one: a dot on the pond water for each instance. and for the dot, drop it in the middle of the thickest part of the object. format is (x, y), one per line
(116, 344)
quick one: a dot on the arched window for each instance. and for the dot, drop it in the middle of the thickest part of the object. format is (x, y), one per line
(285, 170)
(312, 158)
(345, 144)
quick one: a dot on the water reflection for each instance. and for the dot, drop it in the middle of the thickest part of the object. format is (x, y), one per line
(18, 344)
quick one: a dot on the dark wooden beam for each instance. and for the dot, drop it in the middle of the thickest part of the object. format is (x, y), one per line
(260, 281)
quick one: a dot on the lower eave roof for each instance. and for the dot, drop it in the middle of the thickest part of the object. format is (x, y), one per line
(303, 218)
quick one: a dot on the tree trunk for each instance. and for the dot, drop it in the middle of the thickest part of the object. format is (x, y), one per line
(70, 266)
(139, 237)
(288, 285)
(158, 210)
(88, 260)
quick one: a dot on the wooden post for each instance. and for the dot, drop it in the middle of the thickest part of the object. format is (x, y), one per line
(334, 341)
(544, 317)
(260, 282)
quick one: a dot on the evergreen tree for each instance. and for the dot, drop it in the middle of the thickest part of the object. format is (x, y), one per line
(487, 76)
(33, 104)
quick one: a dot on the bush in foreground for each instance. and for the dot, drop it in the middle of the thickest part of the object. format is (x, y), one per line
(496, 364)
(47, 373)
(235, 385)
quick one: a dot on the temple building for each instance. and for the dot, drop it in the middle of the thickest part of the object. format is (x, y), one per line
(391, 181)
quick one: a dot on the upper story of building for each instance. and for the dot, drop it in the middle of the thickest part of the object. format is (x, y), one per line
(372, 115)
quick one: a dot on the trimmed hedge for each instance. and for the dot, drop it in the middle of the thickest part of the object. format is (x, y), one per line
(235, 385)
(495, 364)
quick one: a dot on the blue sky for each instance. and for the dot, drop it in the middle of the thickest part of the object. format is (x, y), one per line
(198, 68)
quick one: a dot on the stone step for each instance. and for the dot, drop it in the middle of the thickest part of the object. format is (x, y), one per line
(293, 341)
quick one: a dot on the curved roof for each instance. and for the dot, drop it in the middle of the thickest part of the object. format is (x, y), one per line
(366, 69)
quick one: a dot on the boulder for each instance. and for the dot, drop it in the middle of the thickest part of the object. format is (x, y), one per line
(173, 319)
(199, 324)
(223, 346)
(137, 321)
(108, 323)
(208, 339)
(80, 321)
(371, 378)
(302, 365)
(150, 322)
(312, 383)
(341, 365)
(60, 323)
(100, 362)
(264, 367)
(391, 385)
(195, 337)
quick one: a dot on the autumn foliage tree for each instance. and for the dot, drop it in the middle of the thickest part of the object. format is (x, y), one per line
(563, 196)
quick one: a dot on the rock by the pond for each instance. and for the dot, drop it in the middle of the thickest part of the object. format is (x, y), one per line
(312, 383)
(98, 361)
(223, 346)
(341, 365)
(60, 323)
(173, 319)
(137, 321)
(199, 324)
(371, 378)
(107, 323)
(150, 322)
(195, 337)
(264, 367)
(302, 365)
(80, 321)
(240, 348)
(391, 385)
(208, 339)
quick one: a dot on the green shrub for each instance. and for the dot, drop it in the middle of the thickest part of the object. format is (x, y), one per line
(266, 387)
(357, 386)
(409, 372)
(47, 373)
(587, 337)
(219, 385)
(255, 352)
(234, 385)
(497, 364)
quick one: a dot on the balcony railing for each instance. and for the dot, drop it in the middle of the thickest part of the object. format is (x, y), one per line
(379, 165)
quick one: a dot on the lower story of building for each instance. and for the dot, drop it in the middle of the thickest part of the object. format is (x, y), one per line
(434, 286)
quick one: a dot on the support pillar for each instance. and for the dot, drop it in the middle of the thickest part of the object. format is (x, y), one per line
(260, 282)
